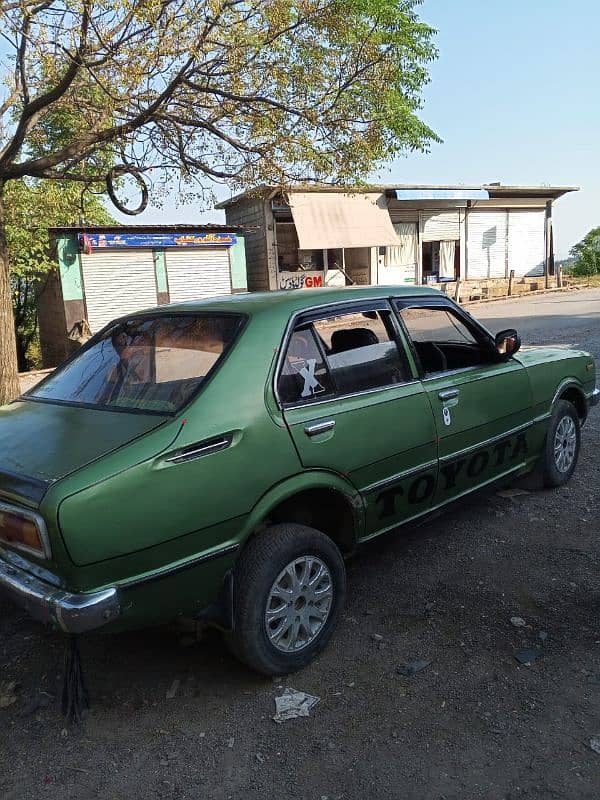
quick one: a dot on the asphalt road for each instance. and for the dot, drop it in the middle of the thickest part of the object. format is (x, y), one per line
(474, 724)
(565, 318)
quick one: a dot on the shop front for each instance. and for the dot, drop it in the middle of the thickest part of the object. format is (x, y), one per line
(332, 239)
(317, 236)
(106, 272)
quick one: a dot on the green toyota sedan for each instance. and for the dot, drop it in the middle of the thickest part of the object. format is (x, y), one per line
(219, 459)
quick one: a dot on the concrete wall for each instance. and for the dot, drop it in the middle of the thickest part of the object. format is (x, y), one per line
(52, 322)
(61, 303)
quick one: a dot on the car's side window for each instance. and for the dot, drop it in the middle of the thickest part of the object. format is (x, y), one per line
(361, 351)
(442, 340)
(304, 375)
(341, 355)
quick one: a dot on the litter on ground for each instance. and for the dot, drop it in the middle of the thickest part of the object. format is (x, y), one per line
(292, 704)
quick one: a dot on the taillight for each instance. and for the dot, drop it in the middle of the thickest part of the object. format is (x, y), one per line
(24, 530)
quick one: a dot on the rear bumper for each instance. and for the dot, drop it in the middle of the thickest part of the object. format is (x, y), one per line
(71, 612)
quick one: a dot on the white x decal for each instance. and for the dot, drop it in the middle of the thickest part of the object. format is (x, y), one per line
(311, 384)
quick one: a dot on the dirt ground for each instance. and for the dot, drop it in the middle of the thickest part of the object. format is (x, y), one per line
(473, 724)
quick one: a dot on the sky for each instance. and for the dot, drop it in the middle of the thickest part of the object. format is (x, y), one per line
(513, 95)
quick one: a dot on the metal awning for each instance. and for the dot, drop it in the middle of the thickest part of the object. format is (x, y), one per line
(441, 194)
(331, 220)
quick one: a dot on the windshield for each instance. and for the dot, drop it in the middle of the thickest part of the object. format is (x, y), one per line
(144, 364)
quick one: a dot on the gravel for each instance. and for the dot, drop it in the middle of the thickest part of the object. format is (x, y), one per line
(474, 724)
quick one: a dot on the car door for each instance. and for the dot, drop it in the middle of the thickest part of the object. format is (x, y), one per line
(353, 406)
(482, 405)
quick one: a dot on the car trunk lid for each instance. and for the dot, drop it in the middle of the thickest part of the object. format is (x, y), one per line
(42, 442)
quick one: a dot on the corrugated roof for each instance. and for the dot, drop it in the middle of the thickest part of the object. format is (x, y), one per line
(494, 189)
(147, 228)
(553, 192)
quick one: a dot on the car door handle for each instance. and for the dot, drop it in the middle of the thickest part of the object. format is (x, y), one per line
(319, 427)
(204, 448)
(448, 394)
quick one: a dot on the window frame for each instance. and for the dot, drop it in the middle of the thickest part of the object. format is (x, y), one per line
(306, 317)
(243, 321)
(306, 325)
(481, 335)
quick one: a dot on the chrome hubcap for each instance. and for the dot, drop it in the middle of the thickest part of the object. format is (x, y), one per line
(565, 443)
(298, 604)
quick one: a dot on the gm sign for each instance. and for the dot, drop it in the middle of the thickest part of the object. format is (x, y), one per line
(300, 280)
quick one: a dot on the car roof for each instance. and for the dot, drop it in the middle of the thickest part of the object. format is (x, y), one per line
(293, 300)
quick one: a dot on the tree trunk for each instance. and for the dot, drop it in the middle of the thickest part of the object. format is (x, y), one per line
(9, 379)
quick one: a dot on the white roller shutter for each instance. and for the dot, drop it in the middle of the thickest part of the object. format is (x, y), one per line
(486, 244)
(526, 242)
(439, 226)
(398, 215)
(197, 273)
(117, 282)
(400, 263)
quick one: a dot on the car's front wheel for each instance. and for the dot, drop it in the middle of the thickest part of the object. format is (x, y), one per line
(563, 442)
(289, 590)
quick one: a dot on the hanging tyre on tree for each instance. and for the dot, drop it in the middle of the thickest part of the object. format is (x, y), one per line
(119, 172)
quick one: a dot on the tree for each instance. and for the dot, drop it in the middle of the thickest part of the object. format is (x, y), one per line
(31, 208)
(587, 255)
(241, 91)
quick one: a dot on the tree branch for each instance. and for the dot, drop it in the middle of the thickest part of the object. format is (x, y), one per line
(20, 74)
(249, 99)
(33, 109)
(38, 167)
(199, 124)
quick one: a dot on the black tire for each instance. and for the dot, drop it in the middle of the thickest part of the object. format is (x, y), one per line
(118, 172)
(262, 561)
(554, 476)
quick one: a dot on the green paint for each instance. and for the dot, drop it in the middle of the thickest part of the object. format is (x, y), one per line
(69, 267)
(237, 265)
(118, 506)
(160, 268)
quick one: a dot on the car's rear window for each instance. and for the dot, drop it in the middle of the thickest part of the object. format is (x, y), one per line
(147, 363)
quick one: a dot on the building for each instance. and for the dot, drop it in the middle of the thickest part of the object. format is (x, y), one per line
(317, 236)
(106, 272)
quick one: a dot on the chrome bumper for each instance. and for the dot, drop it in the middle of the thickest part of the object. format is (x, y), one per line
(594, 398)
(73, 613)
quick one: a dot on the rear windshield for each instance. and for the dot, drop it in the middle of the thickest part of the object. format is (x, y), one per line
(151, 364)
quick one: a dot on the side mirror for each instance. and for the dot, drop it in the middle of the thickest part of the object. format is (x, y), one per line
(507, 343)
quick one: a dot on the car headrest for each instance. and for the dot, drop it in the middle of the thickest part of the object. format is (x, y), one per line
(351, 338)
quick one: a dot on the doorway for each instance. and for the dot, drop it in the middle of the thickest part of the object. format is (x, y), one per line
(441, 261)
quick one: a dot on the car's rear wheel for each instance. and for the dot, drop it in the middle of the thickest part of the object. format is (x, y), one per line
(563, 442)
(289, 590)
